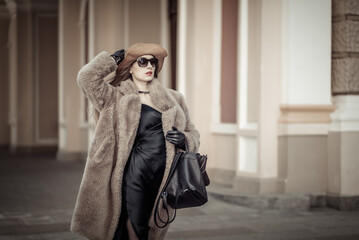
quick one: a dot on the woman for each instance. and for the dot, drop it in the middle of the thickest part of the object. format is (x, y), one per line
(139, 126)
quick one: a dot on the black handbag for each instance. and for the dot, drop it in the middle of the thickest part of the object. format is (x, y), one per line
(185, 186)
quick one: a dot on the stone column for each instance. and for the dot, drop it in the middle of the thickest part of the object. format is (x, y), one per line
(4, 78)
(306, 105)
(70, 138)
(343, 139)
(258, 96)
(165, 42)
(12, 45)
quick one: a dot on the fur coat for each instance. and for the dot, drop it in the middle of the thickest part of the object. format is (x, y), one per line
(98, 203)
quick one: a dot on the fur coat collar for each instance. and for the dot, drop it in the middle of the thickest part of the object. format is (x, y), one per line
(158, 95)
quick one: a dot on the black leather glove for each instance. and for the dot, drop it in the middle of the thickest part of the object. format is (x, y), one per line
(119, 56)
(176, 137)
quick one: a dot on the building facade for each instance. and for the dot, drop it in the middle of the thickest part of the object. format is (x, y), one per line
(272, 85)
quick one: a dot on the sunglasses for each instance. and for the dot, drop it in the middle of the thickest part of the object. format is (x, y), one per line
(143, 62)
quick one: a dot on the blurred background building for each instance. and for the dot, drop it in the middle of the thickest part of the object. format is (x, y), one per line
(272, 85)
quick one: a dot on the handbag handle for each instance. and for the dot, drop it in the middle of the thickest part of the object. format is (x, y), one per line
(165, 206)
(185, 146)
(163, 196)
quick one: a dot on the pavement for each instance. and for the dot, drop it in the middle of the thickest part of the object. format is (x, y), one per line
(38, 194)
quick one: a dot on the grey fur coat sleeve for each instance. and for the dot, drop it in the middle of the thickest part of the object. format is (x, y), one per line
(91, 80)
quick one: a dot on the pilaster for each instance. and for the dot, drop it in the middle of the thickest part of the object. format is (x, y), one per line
(70, 138)
(303, 111)
(343, 151)
(13, 81)
(4, 78)
(257, 160)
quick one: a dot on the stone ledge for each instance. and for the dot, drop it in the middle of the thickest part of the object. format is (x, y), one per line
(262, 202)
(343, 203)
(293, 202)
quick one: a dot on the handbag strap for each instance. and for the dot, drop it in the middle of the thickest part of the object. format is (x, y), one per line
(163, 194)
(186, 145)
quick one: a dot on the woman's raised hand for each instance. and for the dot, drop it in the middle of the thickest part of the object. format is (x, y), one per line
(119, 55)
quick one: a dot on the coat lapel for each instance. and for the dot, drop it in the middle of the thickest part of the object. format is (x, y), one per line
(130, 104)
(159, 96)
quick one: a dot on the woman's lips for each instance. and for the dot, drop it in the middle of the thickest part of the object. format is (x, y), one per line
(149, 73)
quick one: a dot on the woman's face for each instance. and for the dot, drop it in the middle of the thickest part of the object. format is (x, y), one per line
(144, 68)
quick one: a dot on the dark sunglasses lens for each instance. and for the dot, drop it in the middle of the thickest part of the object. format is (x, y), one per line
(153, 62)
(142, 62)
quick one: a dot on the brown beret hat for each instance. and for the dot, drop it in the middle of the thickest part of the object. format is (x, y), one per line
(140, 49)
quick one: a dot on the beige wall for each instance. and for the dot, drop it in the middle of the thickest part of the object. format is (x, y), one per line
(221, 151)
(229, 61)
(108, 29)
(4, 85)
(121, 23)
(144, 21)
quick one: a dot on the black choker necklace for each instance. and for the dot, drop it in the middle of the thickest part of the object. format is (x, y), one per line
(144, 92)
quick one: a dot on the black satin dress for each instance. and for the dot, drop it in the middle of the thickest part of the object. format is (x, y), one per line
(143, 174)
